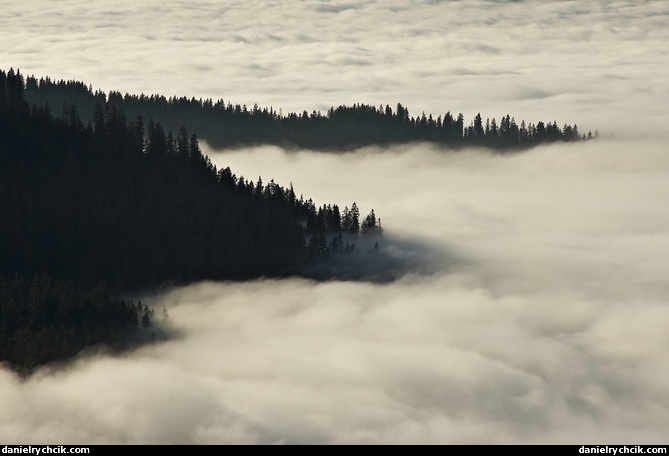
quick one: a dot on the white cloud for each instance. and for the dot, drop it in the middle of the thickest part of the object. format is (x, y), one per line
(545, 324)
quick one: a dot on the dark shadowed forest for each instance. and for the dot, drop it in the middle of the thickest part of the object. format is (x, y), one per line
(116, 206)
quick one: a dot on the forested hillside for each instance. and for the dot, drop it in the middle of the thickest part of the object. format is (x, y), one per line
(117, 205)
(129, 203)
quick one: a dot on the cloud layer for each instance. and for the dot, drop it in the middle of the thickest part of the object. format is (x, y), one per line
(546, 323)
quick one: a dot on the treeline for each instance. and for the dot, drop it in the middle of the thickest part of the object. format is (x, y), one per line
(132, 205)
(223, 124)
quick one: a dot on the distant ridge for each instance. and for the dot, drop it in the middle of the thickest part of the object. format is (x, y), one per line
(223, 124)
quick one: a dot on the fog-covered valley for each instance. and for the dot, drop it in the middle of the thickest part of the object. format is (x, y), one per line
(540, 318)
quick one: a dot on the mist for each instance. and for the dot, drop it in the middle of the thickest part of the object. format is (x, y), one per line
(541, 318)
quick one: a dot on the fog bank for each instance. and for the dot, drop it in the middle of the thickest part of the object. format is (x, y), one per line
(543, 323)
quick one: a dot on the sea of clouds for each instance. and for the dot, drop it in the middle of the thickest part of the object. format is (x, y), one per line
(542, 318)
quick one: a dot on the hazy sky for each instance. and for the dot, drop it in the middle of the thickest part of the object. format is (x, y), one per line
(544, 320)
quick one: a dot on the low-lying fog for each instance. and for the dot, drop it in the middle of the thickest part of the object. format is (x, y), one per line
(543, 320)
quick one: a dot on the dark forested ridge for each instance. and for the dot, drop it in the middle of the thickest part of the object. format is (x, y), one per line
(127, 203)
(223, 124)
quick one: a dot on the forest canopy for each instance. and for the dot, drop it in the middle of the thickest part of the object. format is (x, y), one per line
(91, 209)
